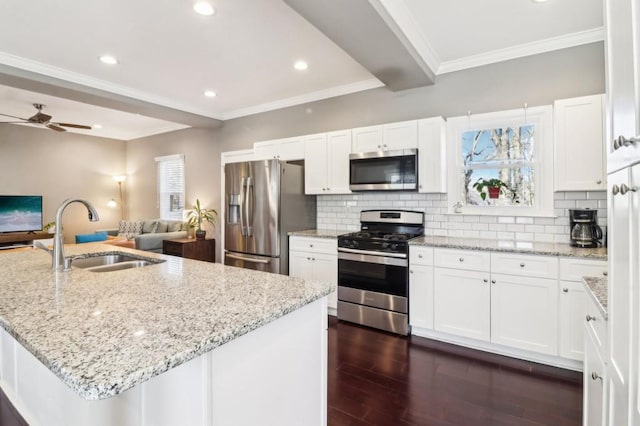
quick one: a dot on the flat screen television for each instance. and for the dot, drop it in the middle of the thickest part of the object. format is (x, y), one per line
(20, 213)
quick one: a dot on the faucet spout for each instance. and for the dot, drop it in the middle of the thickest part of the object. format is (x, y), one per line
(58, 239)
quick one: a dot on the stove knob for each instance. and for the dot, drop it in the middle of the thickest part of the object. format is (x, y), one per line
(394, 246)
(385, 245)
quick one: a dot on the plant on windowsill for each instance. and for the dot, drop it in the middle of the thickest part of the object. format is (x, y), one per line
(493, 187)
(199, 215)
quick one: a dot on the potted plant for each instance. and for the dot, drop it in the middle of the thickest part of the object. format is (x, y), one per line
(494, 186)
(199, 215)
(50, 227)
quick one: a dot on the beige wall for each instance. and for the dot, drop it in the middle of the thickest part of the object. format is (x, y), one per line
(537, 80)
(61, 165)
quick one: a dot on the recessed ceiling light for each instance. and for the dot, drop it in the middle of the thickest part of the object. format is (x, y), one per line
(301, 65)
(539, 1)
(97, 126)
(204, 8)
(108, 59)
(210, 94)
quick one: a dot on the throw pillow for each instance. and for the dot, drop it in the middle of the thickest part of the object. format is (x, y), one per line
(154, 227)
(147, 226)
(174, 227)
(89, 238)
(162, 227)
(130, 229)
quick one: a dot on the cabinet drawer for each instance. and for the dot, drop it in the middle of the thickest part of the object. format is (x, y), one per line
(596, 324)
(420, 255)
(317, 245)
(462, 259)
(174, 249)
(525, 265)
(574, 269)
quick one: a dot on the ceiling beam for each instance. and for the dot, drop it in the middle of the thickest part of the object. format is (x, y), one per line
(40, 83)
(369, 34)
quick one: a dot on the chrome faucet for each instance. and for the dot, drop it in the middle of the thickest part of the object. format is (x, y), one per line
(58, 261)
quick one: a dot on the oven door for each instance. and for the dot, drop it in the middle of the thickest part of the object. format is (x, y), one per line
(384, 170)
(372, 280)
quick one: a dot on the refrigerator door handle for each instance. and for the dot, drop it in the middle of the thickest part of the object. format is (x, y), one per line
(246, 259)
(243, 185)
(249, 206)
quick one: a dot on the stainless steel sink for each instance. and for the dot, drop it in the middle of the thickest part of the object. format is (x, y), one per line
(112, 262)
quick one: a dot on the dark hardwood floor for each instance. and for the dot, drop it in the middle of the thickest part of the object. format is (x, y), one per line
(376, 378)
(9, 416)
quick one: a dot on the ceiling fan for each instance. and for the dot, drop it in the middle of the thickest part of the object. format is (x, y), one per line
(45, 120)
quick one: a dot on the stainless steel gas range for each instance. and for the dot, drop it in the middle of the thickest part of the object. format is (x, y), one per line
(373, 269)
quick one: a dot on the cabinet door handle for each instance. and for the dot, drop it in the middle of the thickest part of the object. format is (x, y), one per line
(596, 376)
(411, 271)
(420, 256)
(310, 245)
(590, 318)
(461, 259)
(308, 258)
(493, 281)
(379, 146)
(565, 290)
(598, 181)
(615, 189)
(624, 189)
(313, 258)
(621, 141)
(522, 265)
(485, 280)
(605, 273)
(385, 145)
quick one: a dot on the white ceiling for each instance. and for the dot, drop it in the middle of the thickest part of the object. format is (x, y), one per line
(169, 55)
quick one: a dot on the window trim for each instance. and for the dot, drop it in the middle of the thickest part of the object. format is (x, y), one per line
(542, 118)
(159, 161)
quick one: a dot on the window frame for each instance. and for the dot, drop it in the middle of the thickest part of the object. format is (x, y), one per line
(542, 118)
(160, 201)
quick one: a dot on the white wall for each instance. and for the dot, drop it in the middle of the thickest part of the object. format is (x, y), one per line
(35, 161)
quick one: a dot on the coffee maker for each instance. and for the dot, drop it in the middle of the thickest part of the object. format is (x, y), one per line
(585, 231)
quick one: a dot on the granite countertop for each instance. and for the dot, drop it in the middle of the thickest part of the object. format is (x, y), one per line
(597, 289)
(103, 333)
(318, 233)
(525, 247)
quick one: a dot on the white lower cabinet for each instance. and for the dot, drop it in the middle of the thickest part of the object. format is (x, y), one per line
(528, 306)
(524, 313)
(572, 311)
(462, 303)
(594, 382)
(315, 259)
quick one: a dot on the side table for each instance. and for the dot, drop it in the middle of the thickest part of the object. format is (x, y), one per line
(191, 248)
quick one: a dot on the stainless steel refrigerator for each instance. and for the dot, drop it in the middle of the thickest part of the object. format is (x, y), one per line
(264, 201)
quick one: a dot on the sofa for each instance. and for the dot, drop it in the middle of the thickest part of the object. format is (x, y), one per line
(149, 233)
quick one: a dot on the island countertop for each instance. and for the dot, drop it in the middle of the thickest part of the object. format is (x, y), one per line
(103, 333)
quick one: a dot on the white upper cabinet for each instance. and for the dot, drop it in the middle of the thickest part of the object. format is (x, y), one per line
(386, 137)
(281, 149)
(237, 156)
(432, 160)
(579, 144)
(327, 162)
(622, 27)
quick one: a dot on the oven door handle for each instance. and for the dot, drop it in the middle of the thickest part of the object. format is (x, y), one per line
(368, 258)
(365, 252)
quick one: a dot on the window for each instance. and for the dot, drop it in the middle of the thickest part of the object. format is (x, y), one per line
(171, 186)
(501, 163)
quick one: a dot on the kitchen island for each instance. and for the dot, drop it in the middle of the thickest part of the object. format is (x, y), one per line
(179, 342)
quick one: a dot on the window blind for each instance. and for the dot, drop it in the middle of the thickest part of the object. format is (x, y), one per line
(170, 186)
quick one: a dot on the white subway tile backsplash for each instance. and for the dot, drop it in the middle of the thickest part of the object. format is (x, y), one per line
(342, 212)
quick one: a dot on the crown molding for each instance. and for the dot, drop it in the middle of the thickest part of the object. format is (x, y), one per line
(156, 131)
(520, 51)
(84, 80)
(306, 98)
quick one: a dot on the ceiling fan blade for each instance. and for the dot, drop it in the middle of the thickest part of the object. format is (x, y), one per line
(14, 122)
(75, 126)
(13, 116)
(56, 128)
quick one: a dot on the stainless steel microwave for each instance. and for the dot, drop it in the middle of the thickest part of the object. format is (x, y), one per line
(384, 170)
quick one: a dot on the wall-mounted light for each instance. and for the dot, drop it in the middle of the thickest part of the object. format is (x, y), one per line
(112, 203)
(119, 180)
